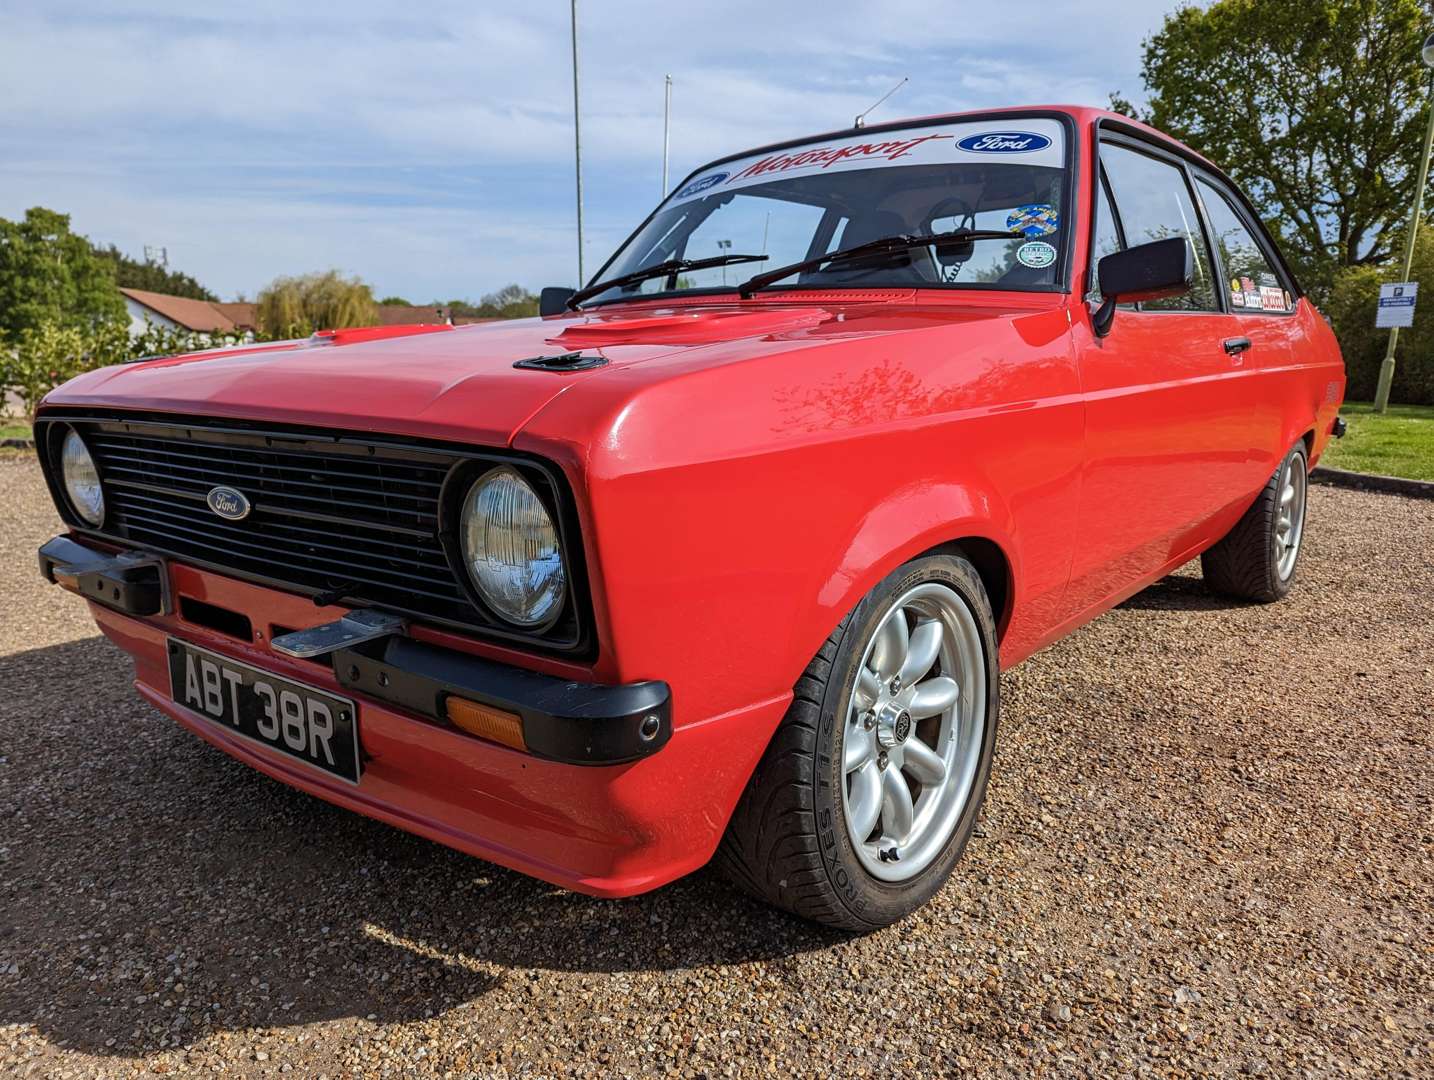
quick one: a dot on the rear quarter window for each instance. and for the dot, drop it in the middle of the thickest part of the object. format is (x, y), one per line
(1253, 282)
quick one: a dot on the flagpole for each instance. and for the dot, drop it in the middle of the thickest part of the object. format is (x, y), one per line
(577, 144)
(666, 129)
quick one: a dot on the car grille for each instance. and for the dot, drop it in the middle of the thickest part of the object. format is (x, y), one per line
(347, 515)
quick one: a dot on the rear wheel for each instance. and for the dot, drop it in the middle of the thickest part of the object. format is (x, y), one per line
(1256, 560)
(871, 786)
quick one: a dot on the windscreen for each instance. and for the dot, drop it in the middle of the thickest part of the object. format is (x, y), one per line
(793, 204)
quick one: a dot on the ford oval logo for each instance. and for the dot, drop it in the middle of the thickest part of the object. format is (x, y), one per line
(1004, 142)
(701, 185)
(228, 503)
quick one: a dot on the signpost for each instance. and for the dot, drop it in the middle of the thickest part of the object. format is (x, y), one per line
(1396, 305)
(1386, 369)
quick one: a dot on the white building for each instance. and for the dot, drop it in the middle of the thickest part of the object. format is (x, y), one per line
(182, 313)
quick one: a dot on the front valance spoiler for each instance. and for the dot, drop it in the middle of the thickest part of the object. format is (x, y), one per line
(372, 655)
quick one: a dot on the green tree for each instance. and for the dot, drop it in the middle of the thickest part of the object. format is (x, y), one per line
(50, 275)
(49, 354)
(397, 301)
(1351, 306)
(42, 357)
(1315, 107)
(298, 306)
(132, 274)
(509, 302)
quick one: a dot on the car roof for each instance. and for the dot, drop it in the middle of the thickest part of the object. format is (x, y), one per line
(1085, 116)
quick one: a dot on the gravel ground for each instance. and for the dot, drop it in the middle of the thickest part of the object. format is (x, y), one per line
(1207, 851)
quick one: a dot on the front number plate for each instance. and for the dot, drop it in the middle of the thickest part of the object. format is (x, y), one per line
(318, 728)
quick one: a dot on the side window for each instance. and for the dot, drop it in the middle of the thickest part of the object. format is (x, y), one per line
(1107, 236)
(1154, 203)
(1253, 283)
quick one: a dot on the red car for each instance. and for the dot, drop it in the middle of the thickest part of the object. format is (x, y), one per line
(727, 551)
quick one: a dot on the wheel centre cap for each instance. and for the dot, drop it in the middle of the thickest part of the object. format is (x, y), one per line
(893, 725)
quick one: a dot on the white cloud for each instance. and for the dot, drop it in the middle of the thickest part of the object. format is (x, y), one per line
(430, 149)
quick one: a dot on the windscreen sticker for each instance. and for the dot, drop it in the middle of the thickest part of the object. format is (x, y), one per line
(1038, 142)
(1037, 254)
(1034, 219)
(1252, 294)
(1004, 142)
(711, 180)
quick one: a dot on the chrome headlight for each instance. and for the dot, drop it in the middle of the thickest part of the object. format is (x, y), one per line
(511, 549)
(82, 480)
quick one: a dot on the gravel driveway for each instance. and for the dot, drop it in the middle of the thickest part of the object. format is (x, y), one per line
(1209, 848)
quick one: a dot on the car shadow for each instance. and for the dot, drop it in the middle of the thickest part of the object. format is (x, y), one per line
(155, 891)
(1180, 592)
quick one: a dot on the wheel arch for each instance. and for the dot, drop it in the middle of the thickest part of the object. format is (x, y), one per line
(1298, 426)
(953, 518)
(992, 565)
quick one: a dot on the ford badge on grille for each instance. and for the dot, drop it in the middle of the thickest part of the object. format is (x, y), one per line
(229, 503)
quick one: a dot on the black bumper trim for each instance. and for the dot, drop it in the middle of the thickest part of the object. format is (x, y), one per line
(573, 722)
(132, 582)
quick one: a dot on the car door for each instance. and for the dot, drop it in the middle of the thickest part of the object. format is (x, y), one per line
(1167, 432)
(1262, 300)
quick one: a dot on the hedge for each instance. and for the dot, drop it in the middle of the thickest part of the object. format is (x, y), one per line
(1351, 307)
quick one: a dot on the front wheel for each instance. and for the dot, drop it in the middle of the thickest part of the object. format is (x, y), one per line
(871, 785)
(1256, 559)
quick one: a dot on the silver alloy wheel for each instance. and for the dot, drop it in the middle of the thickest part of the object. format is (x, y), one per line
(913, 733)
(1290, 514)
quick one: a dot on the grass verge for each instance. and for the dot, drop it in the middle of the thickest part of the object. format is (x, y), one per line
(1399, 442)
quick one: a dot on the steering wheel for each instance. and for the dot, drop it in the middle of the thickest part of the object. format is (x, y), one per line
(951, 257)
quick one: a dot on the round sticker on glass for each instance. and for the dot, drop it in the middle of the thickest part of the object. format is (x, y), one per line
(1037, 254)
(701, 185)
(1034, 219)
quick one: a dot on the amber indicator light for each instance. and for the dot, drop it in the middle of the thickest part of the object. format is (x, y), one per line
(486, 722)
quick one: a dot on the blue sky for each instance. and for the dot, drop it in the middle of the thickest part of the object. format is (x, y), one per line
(428, 148)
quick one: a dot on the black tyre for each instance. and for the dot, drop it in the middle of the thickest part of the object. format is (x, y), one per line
(1256, 560)
(899, 706)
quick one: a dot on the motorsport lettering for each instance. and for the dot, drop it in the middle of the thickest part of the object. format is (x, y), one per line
(825, 156)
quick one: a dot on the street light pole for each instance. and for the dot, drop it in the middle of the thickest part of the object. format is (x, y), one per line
(666, 130)
(578, 145)
(1386, 369)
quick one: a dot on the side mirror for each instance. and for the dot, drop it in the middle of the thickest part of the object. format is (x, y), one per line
(553, 300)
(1145, 272)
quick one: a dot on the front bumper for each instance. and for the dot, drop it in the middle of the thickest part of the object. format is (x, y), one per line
(607, 829)
(561, 720)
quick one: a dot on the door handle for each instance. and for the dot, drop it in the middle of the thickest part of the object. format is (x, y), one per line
(1236, 345)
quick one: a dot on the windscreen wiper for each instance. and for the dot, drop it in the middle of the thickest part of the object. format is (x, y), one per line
(669, 268)
(900, 242)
